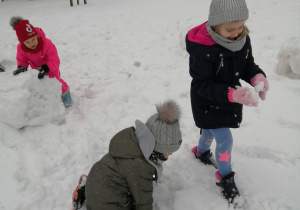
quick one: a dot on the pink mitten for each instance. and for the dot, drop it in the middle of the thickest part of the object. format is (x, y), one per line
(242, 96)
(256, 82)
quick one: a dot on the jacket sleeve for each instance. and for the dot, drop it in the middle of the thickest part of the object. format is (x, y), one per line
(202, 72)
(52, 61)
(139, 180)
(251, 69)
(22, 59)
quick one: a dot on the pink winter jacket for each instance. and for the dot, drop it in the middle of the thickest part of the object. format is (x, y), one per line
(47, 55)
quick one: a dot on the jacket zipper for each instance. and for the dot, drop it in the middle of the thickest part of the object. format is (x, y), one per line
(221, 65)
(247, 53)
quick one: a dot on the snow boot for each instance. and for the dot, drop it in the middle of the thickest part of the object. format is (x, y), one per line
(206, 157)
(66, 98)
(79, 193)
(228, 187)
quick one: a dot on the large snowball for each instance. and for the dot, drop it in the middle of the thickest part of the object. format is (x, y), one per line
(26, 100)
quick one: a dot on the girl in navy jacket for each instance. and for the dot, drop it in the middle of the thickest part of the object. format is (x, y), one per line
(220, 55)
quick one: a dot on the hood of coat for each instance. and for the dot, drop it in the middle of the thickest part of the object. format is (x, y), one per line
(147, 144)
(145, 138)
(40, 32)
(125, 144)
(135, 143)
(200, 35)
(200, 44)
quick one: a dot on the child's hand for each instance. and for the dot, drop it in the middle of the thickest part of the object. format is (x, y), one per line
(257, 81)
(19, 70)
(44, 69)
(41, 74)
(242, 96)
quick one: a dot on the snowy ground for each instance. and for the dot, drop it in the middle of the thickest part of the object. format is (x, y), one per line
(120, 58)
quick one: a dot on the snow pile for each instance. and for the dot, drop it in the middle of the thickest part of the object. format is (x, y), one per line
(27, 101)
(289, 59)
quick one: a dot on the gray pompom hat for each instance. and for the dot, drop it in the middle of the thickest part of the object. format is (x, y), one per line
(223, 11)
(164, 125)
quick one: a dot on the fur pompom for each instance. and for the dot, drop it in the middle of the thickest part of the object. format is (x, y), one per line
(169, 111)
(14, 21)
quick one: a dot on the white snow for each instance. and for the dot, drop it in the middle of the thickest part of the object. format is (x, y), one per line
(28, 101)
(259, 87)
(289, 58)
(120, 58)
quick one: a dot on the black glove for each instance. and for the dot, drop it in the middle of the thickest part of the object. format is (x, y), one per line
(44, 69)
(2, 69)
(19, 70)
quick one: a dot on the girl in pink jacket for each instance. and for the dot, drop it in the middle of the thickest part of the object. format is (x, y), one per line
(39, 52)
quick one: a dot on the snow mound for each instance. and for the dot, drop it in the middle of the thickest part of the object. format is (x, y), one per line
(289, 59)
(27, 101)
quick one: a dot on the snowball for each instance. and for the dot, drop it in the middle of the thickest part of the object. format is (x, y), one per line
(252, 94)
(26, 100)
(259, 87)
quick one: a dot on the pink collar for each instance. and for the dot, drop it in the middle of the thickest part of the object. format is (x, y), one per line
(200, 35)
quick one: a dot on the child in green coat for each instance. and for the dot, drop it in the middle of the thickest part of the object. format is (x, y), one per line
(123, 178)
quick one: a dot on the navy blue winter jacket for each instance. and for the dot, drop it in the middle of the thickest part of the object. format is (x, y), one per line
(214, 70)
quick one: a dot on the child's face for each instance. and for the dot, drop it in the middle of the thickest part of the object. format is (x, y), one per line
(166, 155)
(231, 30)
(32, 43)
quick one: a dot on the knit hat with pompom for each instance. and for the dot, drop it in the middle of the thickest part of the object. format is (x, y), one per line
(164, 125)
(23, 28)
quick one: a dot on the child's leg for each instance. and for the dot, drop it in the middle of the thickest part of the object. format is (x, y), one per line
(56, 74)
(205, 141)
(64, 86)
(67, 99)
(224, 141)
(66, 95)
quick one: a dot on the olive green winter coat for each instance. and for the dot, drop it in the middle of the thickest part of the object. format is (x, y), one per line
(122, 179)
